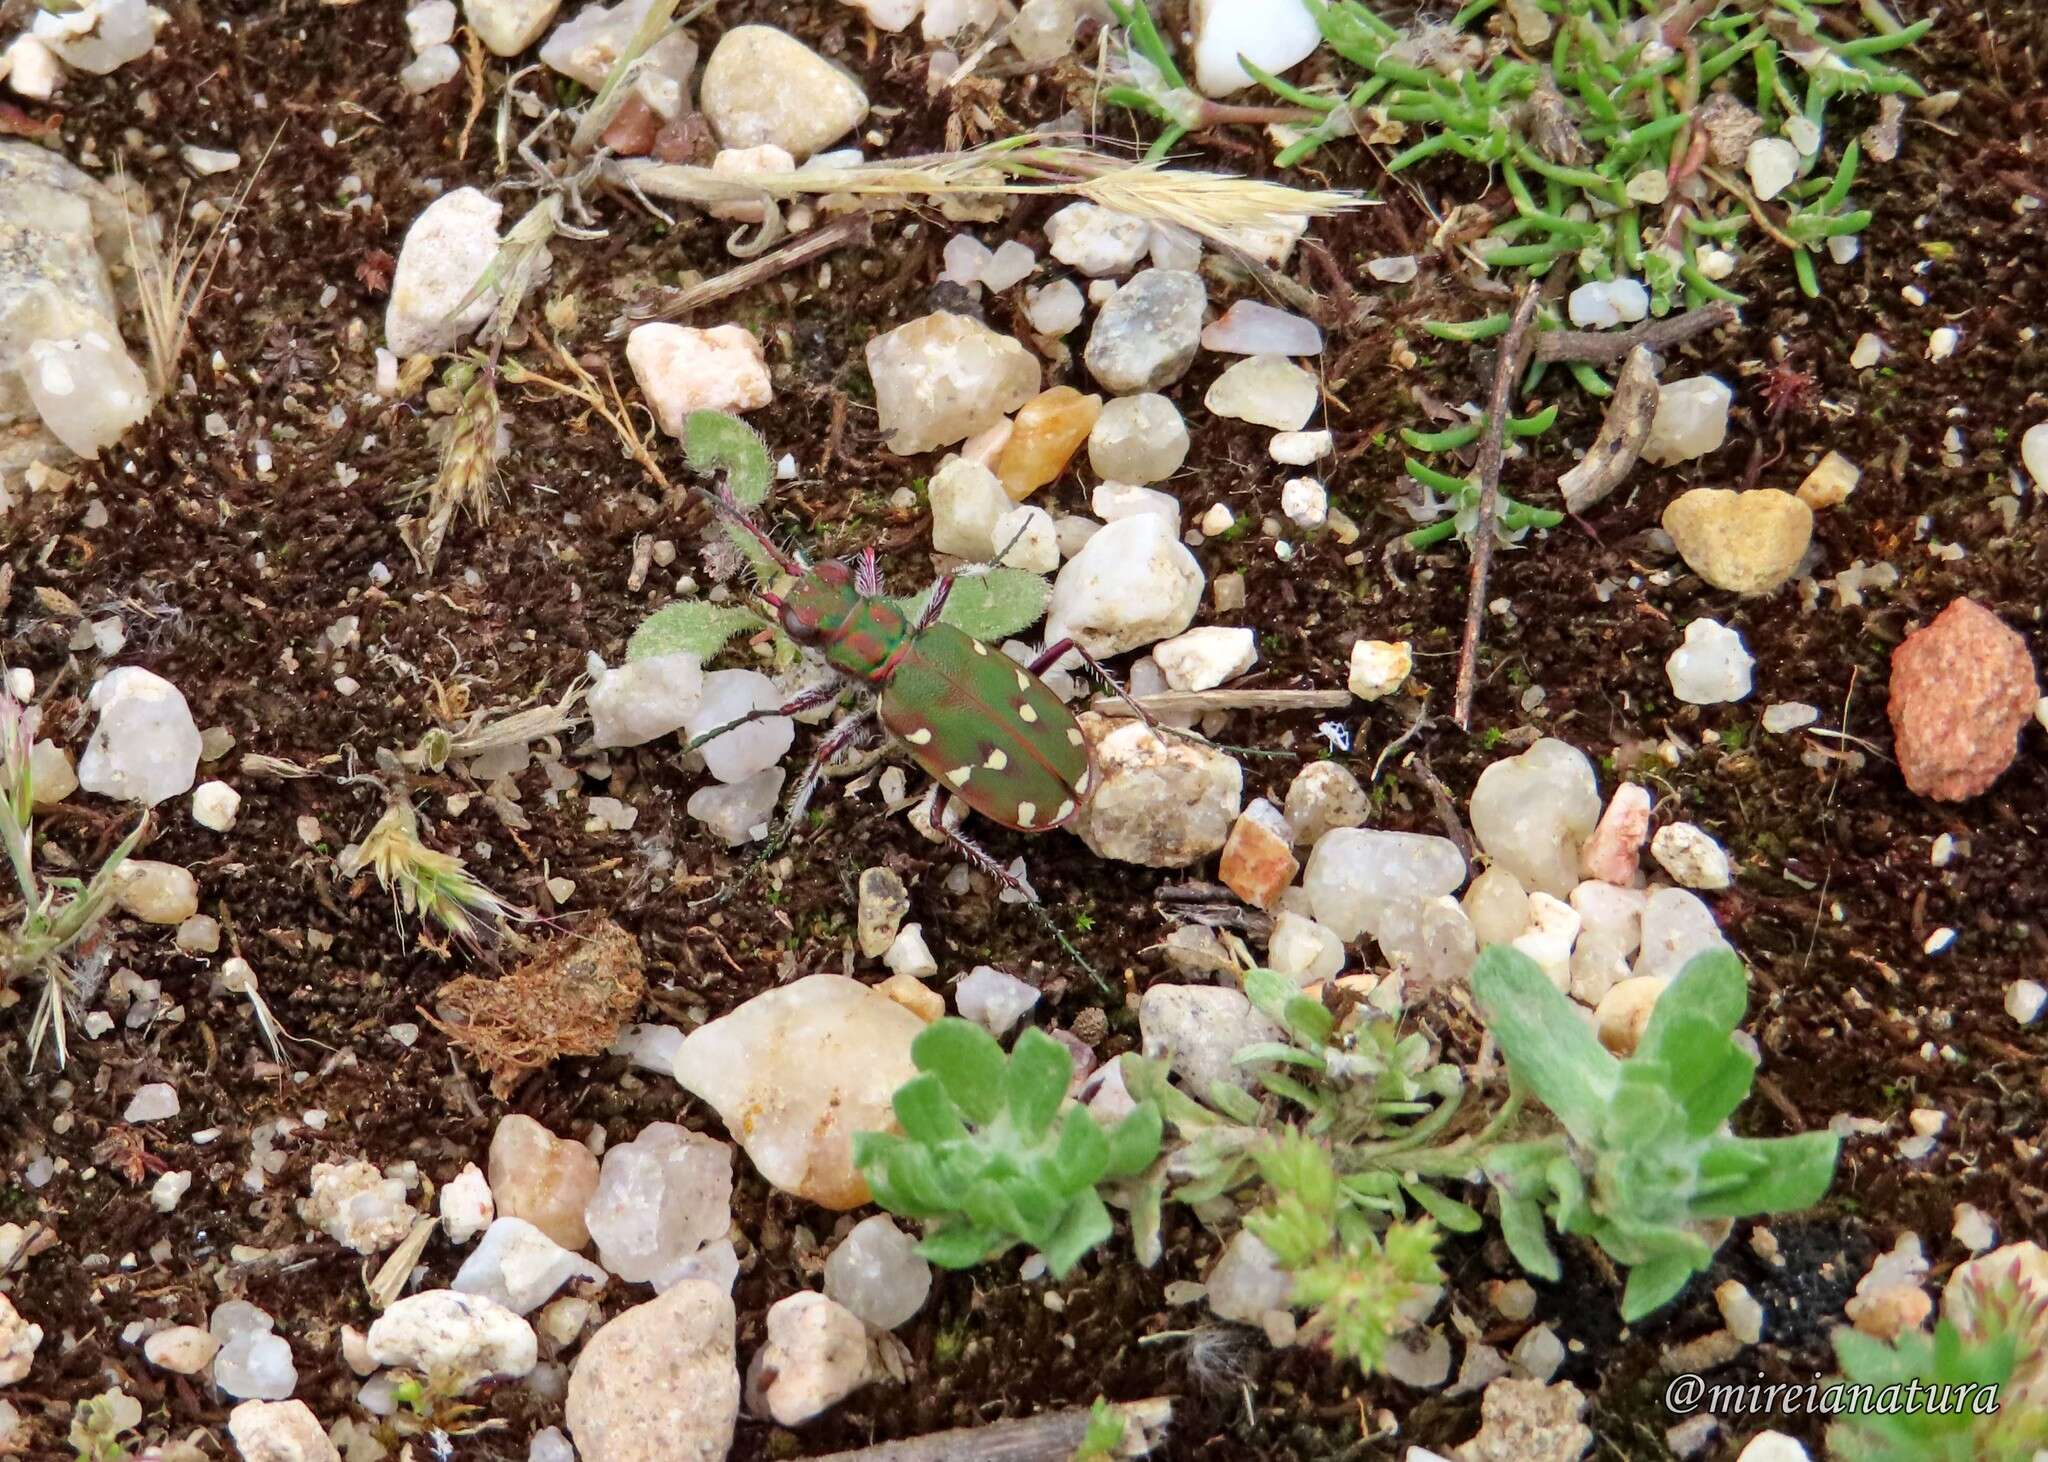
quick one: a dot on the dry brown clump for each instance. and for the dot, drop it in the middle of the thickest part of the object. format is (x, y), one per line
(570, 999)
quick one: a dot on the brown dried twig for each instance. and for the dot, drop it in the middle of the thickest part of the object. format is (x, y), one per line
(1597, 347)
(1515, 348)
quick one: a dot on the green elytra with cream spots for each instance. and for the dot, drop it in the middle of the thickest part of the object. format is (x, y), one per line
(987, 729)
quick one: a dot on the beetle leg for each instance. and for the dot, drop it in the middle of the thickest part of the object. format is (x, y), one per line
(979, 856)
(845, 733)
(810, 700)
(1052, 654)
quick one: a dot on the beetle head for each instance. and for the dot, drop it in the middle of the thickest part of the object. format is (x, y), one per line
(819, 602)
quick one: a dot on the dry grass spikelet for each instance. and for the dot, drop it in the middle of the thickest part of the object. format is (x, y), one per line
(570, 999)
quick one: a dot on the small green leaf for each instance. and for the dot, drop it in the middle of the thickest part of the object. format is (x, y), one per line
(1276, 1051)
(1458, 1217)
(1548, 1045)
(1653, 1285)
(1713, 988)
(1521, 1225)
(1082, 1156)
(1134, 1142)
(691, 626)
(1234, 1102)
(967, 1059)
(925, 1112)
(1086, 1225)
(714, 439)
(1036, 1082)
(956, 1245)
(1795, 1174)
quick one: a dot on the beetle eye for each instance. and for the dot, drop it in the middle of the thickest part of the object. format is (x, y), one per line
(799, 627)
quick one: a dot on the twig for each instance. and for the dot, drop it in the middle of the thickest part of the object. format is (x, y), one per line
(1597, 347)
(854, 230)
(1050, 1438)
(1514, 351)
(1198, 702)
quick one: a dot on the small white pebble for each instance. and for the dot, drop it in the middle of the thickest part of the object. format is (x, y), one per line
(2025, 999)
(1973, 1228)
(1942, 343)
(1939, 940)
(1868, 352)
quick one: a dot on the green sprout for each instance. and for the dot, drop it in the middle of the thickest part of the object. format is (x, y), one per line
(45, 929)
(1360, 1286)
(1104, 1439)
(1645, 1166)
(102, 1426)
(1992, 1336)
(993, 1154)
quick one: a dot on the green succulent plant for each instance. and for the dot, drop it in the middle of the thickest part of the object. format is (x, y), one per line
(1992, 1337)
(1357, 1283)
(992, 1154)
(1645, 1166)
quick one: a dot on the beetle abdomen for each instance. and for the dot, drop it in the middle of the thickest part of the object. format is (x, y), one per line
(987, 730)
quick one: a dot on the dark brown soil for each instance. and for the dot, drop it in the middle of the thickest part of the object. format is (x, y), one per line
(227, 581)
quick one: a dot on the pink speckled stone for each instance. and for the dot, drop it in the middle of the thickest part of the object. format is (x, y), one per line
(1961, 690)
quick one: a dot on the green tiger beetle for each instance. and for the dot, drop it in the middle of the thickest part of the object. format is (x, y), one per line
(994, 736)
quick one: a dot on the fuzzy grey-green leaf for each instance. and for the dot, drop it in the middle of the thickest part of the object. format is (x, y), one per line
(692, 625)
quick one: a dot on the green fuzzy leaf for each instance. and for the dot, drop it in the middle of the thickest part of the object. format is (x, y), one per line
(925, 1112)
(1134, 1142)
(955, 1245)
(692, 626)
(1038, 1202)
(1236, 1103)
(1458, 1217)
(1713, 988)
(1794, 1174)
(714, 439)
(1277, 1052)
(1707, 1075)
(967, 1059)
(1082, 1156)
(1086, 1224)
(1653, 1285)
(901, 1175)
(1547, 1044)
(1521, 1225)
(989, 604)
(1036, 1082)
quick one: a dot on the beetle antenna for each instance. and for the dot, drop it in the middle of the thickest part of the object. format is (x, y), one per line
(722, 503)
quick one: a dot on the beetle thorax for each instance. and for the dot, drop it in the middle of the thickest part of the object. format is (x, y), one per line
(860, 634)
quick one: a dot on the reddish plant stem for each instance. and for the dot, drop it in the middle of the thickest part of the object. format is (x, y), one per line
(1515, 348)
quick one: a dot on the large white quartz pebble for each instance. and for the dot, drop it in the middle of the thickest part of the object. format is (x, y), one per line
(796, 1071)
(681, 369)
(746, 749)
(446, 251)
(1272, 34)
(1132, 584)
(1356, 875)
(877, 1273)
(1531, 813)
(633, 703)
(146, 746)
(464, 1337)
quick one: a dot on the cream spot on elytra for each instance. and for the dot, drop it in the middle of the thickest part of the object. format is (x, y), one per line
(959, 775)
(997, 759)
(922, 736)
(1025, 713)
(1027, 813)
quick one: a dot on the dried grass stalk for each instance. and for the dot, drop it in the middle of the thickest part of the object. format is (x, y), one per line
(571, 999)
(1230, 212)
(469, 463)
